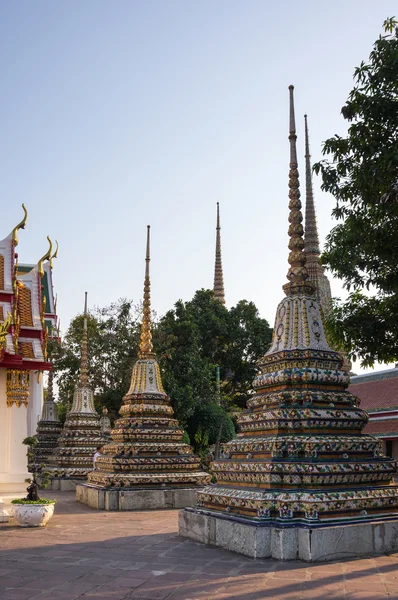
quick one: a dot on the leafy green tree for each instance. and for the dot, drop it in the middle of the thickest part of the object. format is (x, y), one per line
(113, 335)
(191, 341)
(362, 174)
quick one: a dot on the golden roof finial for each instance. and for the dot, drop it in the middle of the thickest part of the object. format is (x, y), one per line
(218, 287)
(146, 332)
(20, 225)
(55, 255)
(297, 274)
(47, 256)
(83, 378)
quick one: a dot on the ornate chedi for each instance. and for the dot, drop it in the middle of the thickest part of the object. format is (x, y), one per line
(316, 273)
(81, 434)
(48, 428)
(147, 450)
(218, 286)
(105, 422)
(300, 458)
(315, 270)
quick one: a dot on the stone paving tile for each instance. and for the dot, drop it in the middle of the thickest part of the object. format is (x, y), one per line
(84, 554)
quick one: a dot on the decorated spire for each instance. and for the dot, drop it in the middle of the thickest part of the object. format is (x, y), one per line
(297, 274)
(146, 330)
(50, 386)
(218, 287)
(83, 379)
(311, 240)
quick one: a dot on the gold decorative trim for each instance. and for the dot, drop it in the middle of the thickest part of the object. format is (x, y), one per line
(17, 387)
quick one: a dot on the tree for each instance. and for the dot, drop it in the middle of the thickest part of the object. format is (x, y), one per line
(362, 250)
(113, 335)
(192, 340)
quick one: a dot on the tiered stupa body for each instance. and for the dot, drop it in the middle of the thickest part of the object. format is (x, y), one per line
(300, 458)
(81, 434)
(315, 270)
(147, 450)
(48, 428)
(218, 287)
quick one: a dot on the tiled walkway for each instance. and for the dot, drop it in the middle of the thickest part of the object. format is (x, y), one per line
(94, 555)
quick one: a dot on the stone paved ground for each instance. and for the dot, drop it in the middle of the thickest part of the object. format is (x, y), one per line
(94, 555)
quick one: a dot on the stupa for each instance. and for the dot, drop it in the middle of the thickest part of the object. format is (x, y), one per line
(316, 272)
(105, 422)
(218, 287)
(81, 434)
(48, 428)
(299, 481)
(147, 465)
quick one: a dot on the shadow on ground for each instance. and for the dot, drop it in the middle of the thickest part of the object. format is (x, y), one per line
(87, 554)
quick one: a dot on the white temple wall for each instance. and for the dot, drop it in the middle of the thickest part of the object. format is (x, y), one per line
(13, 429)
(35, 402)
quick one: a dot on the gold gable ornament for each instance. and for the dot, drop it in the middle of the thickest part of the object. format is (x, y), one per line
(17, 387)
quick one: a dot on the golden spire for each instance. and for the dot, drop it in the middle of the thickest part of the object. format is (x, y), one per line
(146, 331)
(83, 378)
(20, 225)
(297, 274)
(47, 256)
(218, 287)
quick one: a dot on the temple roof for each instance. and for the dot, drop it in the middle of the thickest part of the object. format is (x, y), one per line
(26, 295)
(377, 391)
(385, 428)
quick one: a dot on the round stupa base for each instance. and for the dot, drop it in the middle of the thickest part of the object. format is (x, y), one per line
(161, 498)
(310, 544)
(64, 484)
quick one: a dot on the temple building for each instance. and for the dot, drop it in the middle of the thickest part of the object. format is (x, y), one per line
(218, 287)
(82, 433)
(27, 319)
(48, 428)
(378, 392)
(312, 250)
(147, 465)
(300, 480)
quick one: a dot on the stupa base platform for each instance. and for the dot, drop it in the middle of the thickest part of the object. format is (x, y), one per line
(138, 499)
(4, 516)
(64, 484)
(306, 543)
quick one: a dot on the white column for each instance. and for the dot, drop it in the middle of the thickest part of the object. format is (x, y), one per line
(35, 402)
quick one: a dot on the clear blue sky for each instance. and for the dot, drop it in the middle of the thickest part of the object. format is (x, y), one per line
(115, 115)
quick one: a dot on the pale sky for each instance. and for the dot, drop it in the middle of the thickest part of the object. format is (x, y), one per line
(118, 114)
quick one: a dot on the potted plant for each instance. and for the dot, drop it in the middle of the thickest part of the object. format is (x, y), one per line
(33, 511)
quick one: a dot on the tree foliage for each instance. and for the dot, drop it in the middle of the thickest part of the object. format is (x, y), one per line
(113, 335)
(362, 174)
(190, 341)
